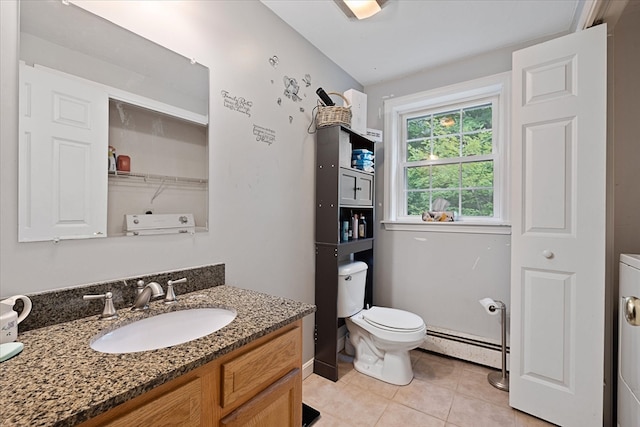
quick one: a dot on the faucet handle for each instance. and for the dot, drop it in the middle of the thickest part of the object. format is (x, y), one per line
(170, 297)
(109, 311)
(139, 287)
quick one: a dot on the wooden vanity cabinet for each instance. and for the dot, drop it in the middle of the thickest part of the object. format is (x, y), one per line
(258, 384)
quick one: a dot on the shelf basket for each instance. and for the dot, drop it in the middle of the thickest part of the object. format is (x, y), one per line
(334, 115)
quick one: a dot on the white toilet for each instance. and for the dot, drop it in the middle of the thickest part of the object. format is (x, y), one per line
(382, 337)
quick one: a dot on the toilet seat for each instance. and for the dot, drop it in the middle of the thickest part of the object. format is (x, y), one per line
(392, 319)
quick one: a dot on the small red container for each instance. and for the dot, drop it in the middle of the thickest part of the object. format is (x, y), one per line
(124, 164)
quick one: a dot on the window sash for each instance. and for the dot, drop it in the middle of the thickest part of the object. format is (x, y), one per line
(493, 89)
(458, 186)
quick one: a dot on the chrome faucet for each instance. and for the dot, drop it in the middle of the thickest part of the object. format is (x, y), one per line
(144, 294)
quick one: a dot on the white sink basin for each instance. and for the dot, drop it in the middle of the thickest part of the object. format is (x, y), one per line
(164, 330)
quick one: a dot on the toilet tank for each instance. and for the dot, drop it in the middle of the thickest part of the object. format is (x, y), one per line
(352, 278)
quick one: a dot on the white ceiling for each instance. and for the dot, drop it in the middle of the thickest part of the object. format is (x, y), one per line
(412, 35)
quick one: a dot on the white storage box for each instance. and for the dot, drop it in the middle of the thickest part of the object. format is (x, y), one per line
(358, 102)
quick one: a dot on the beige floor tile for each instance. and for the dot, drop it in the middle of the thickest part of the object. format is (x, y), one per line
(429, 400)
(475, 384)
(426, 397)
(473, 367)
(526, 420)
(470, 412)
(345, 368)
(415, 355)
(350, 403)
(318, 391)
(327, 420)
(372, 385)
(442, 374)
(397, 415)
(434, 357)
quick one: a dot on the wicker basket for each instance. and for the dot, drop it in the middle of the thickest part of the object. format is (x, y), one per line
(334, 115)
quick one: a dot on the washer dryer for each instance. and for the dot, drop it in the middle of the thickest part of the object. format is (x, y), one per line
(629, 342)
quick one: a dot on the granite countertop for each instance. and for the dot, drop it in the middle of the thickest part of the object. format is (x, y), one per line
(58, 380)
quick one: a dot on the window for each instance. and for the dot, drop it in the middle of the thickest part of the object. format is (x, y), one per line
(448, 145)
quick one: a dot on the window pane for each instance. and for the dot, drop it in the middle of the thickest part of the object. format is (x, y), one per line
(419, 127)
(418, 150)
(446, 147)
(418, 178)
(445, 176)
(446, 123)
(477, 143)
(451, 196)
(476, 118)
(477, 174)
(477, 202)
(417, 202)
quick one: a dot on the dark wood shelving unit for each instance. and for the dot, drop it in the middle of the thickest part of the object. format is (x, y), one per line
(340, 191)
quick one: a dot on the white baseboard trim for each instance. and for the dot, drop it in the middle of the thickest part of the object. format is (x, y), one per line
(464, 346)
(307, 368)
(342, 333)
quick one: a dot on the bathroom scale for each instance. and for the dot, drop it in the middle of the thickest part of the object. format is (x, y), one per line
(309, 415)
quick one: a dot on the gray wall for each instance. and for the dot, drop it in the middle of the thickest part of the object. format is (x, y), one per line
(261, 204)
(437, 275)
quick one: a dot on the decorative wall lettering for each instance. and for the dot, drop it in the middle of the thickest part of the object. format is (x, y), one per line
(264, 134)
(307, 80)
(279, 101)
(290, 119)
(274, 61)
(235, 103)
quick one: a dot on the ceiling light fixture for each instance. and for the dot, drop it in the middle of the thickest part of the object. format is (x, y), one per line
(360, 9)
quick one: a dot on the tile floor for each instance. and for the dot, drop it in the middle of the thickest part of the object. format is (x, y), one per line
(444, 392)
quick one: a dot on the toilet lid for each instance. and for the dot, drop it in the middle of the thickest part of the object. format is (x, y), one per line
(392, 319)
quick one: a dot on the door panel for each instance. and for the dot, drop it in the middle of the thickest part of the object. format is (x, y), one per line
(548, 174)
(548, 326)
(558, 229)
(63, 157)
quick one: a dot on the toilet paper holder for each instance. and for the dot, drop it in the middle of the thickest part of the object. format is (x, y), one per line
(499, 380)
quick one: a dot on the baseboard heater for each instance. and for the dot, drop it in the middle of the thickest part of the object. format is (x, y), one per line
(465, 340)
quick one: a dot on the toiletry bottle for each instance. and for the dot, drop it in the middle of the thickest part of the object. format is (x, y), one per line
(362, 227)
(355, 226)
(345, 231)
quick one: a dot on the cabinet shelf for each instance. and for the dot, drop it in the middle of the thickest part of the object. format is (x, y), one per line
(157, 178)
(350, 247)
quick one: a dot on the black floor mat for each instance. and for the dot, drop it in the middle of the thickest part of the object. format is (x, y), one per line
(309, 415)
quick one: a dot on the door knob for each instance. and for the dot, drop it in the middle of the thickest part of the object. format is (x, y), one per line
(631, 307)
(547, 254)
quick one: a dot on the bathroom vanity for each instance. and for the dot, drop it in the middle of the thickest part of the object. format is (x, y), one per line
(248, 372)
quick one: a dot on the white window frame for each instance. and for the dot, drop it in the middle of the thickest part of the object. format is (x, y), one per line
(398, 109)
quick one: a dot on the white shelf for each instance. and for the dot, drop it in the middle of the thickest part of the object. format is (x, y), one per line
(152, 177)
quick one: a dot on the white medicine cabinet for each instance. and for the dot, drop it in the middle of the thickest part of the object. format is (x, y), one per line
(82, 95)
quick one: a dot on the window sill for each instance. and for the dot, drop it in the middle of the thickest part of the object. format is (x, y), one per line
(472, 227)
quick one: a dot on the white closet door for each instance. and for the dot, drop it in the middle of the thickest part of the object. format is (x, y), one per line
(558, 229)
(63, 157)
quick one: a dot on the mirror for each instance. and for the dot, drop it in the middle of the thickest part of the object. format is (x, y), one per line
(111, 124)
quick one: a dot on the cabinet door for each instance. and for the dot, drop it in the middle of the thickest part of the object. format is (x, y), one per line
(364, 190)
(179, 407)
(280, 405)
(356, 188)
